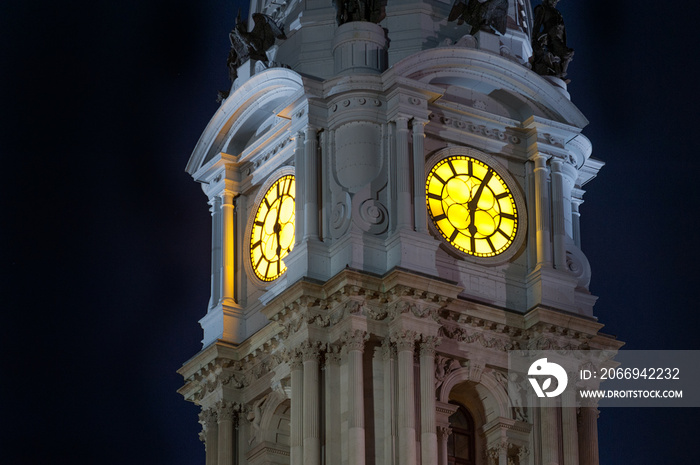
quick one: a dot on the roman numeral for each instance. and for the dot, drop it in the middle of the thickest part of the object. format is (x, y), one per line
(454, 172)
(508, 216)
(493, 249)
(454, 235)
(440, 217)
(502, 195)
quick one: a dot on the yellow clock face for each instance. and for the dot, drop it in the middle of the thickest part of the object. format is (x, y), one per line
(471, 206)
(272, 233)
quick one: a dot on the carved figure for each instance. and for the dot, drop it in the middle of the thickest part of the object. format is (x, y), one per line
(551, 56)
(489, 15)
(356, 10)
(251, 45)
(255, 416)
(517, 391)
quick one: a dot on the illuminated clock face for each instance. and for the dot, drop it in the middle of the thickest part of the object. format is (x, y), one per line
(272, 233)
(471, 206)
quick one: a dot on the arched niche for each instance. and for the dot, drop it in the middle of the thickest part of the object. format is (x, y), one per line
(272, 447)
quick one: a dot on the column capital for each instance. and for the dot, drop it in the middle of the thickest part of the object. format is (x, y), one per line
(309, 351)
(419, 125)
(539, 158)
(208, 418)
(226, 411)
(428, 345)
(401, 121)
(310, 131)
(295, 358)
(557, 164)
(443, 432)
(405, 340)
(388, 349)
(332, 354)
(354, 340)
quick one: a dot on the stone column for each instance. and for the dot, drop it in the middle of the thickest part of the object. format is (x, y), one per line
(549, 431)
(443, 435)
(558, 227)
(225, 413)
(569, 426)
(544, 251)
(227, 248)
(588, 435)
(403, 178)
(312, 417)
(389, 356)
(211, 436)
(296, 424)
(311, 183)
(216, 267)
(419, 206)
(300, 194)
(332, 405)
(325, 200)
(428, 437)
(576, 220)
(406, 405)
(353, 346)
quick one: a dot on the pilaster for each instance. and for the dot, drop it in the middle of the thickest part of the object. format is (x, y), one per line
(353, 346)
(405, 345)
(225, 413)
(429, 445)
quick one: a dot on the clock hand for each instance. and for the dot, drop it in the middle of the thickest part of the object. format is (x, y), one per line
(278, 229)
(473, 203)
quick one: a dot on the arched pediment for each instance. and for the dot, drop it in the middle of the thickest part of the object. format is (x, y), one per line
(519, 91)
(243, 113)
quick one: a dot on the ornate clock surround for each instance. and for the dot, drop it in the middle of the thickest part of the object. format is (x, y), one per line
(259, 197)
(513, 187)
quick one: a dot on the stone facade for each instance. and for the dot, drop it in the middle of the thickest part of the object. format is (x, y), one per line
(379, 329)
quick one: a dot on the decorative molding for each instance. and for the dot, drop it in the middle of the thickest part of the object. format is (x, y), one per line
(443, 367)
(460, 334)
(475, 369)
(480, 129)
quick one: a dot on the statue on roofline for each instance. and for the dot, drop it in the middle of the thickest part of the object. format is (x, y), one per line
(551, 56)
(252, 45)
(490, 15)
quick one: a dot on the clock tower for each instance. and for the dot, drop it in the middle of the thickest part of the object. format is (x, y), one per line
(395, 189)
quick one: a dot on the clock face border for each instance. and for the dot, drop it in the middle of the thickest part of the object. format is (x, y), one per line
(252, 214)
(513, 187)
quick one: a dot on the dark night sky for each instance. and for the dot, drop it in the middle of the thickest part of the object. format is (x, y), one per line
(104, 239)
